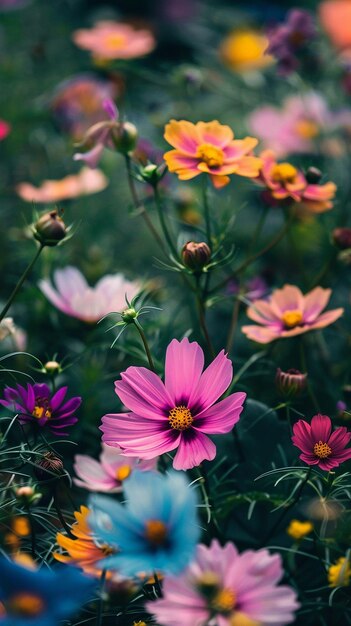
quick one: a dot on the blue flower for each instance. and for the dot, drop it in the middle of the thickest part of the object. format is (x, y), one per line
(40, 597)
(157, 529)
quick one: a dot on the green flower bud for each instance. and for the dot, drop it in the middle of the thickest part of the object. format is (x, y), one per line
(50, 229)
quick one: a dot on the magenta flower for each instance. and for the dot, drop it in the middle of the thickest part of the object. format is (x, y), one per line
(178, 413)
(109, 473)
(320, 446)
(225, 588)
(76, 298)
(288, 313)
(4, 129)
(35, 405)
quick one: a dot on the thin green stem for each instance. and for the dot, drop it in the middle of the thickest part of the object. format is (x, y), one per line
(101, 600)
(145, 343)
(59, 513)
(233, 324)
(202, 318)
(207, 212)
(20, 282)
(161, 217)
(139, 206)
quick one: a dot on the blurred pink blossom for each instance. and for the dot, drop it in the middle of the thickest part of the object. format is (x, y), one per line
(76, 298)
(4, 129)
(110, 471)
(112, 40)
(87, 181)
(298, 125)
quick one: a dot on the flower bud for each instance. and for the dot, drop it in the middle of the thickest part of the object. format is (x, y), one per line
(196, 255)
(129, 315)
(342, 238)
(52, 367)
(47, 465)
(153, 173)
(290, 383)
(313, 175)
(27, 494)
(125, 137)
(50, 228)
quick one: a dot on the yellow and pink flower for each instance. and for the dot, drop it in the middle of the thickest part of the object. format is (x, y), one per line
(288, 313)
(209, 148)
(284, 182)
(109, 40)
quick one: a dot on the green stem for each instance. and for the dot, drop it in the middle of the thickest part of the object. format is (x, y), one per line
(233, 324)
(145, 343)
(207, 212)
(60, 515)
(164, 226)
(202, 319)
(20, 282)
(139, 206)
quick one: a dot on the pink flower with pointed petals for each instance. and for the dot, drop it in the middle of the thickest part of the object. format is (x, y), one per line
(76, 298)
(109, 473)
(288, 313)
(225, 588)
(319, 445)
(178, 413)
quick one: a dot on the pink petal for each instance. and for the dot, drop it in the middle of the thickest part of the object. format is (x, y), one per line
(260, 334)
(327, 318)
(212, 384)
(321, 427)
(315, 301)
(289, 298)
(260, 311)
(144, 393)
(193, 448)
(184, 365)
(221, 417)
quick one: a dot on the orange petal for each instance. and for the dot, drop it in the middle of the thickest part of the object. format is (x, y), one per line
(182, 135)
(219, 181)
(214, 133)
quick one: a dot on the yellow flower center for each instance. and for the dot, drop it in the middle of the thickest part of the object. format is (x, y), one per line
(25, 604)
(113, 41)
(180, 418)
(156, 532)
(41, 411)
(339, 574)
(322, 450)
(224, 601)
(122, 472)
(284, 173)
(292, 318)
(211, 155)
(306, 129)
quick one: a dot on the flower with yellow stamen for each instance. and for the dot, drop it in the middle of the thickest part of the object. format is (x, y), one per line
(83, 551)
(298, 530)
(339, 574)
(209, 148)
(244, 50)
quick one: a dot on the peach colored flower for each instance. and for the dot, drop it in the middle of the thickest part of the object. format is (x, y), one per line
(288, 313)
(210, 148)
(284, 182)
(111, 40)
(335, 16)
(84, 183)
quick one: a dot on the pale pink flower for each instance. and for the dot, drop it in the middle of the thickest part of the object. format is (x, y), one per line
(76, 298)
(224, 588)
(112, 40)
(109, 472)
(298, 125)
(178, 413)
(288, 313)
(84, 183)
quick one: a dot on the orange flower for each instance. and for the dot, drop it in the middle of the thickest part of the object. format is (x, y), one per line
(335, 16)
(210, 148)
(87, 181)
(83, 551)
(110, 40)
(244, 50)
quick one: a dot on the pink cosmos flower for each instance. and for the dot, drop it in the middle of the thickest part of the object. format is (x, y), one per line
(224, 588)
(84, 183)
(111, 40)
(296, 126)
(76, 298)
(4, 129)
(178, 413)
(284, 182)
(288, 313)
(109, 472)
(319, 445)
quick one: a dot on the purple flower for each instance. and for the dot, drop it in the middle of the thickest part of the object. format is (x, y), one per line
(99, 135)
(287, 40)
(35, 404)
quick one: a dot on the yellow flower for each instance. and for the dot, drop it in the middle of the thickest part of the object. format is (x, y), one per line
(339, 574)
(299, 530)
(244, 50)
